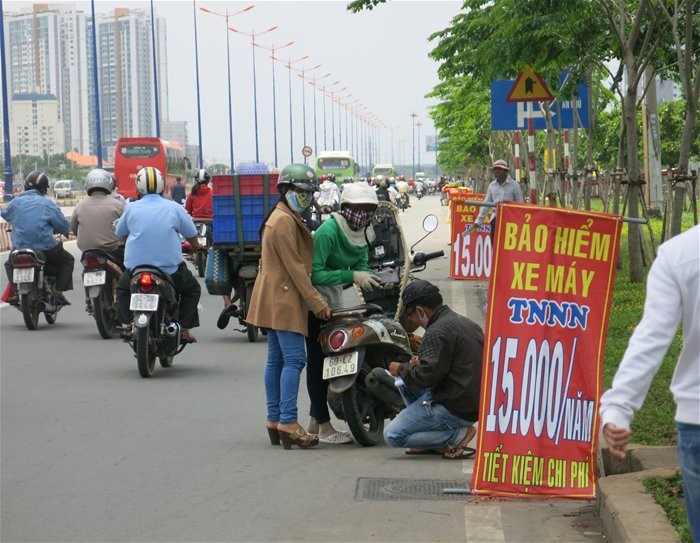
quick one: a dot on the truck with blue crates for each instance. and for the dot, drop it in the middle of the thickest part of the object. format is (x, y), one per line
(240, 203)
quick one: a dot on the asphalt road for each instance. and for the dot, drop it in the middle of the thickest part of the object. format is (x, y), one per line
(90, 451)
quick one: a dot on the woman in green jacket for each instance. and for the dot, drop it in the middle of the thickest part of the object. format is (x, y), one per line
(340, 257)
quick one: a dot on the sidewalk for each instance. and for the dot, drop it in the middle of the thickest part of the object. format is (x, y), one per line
(628, 512)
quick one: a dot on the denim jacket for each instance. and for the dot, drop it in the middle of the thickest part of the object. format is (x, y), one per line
(35, 219)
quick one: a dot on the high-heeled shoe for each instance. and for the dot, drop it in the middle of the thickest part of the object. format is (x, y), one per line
(274, 434)
(300, 437)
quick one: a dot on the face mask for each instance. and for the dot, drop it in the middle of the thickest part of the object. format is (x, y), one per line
(357, 219)
(298, 201)
(501, 177)
(423, 319)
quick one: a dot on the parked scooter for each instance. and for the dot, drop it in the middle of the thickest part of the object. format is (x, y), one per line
(155, 331)
(360, 342)
(100, 276)
(247, 272)
(33, 287)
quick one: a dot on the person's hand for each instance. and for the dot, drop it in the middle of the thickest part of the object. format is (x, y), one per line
(324, 314)
(366, 280)
(414, 360)
(473, 228)
(394, 368)
(617, 438)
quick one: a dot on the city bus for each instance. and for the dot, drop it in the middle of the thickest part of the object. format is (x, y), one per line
(132, 154)
(340, 163)
(384, 170)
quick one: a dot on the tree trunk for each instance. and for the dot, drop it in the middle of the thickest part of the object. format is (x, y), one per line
(629, 105)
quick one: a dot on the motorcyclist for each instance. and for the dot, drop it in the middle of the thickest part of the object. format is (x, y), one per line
(199, 201)
(328, 196)
(35, 219)
(383, 191)
(153, 225)
(94, 218)
(340, 256)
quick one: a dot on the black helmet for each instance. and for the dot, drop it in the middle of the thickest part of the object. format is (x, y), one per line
(298, 175)
(202, 177)
(37, 181)
(331, 177)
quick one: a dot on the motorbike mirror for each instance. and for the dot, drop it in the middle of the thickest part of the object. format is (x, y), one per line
(430, 223)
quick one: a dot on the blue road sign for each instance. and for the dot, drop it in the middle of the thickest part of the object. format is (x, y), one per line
(514, 115)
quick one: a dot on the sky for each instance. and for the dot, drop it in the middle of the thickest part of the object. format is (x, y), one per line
(381, 56)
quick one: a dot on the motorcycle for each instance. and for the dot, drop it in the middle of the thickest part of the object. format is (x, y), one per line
(419, 191)
(155, 331)
(33, 286)
(360, 342)
(403, 201)
(247, 272)
(100, 276)
(205, 237)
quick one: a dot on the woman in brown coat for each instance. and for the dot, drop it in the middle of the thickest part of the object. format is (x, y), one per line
(281, 299)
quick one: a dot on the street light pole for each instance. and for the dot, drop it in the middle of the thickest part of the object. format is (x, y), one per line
(155, 70)
(419, 124)
(274, 92)
(332, 114)
(226, 16)
(8, 189)
(313, 83)
(291, 120)
(98, 126)
(303, 100)
(252, 35)
(414, 115)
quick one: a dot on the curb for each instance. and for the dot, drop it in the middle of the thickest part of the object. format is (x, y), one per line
(628, 512)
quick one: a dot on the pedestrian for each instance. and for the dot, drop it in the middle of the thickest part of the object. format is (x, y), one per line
(501, 189)
(340, 257)
(152, 226)
(281, 299)
(35, 219)
(441, 384)
(673, 296)
(178, 191)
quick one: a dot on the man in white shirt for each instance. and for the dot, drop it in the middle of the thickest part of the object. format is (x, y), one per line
(673, 295)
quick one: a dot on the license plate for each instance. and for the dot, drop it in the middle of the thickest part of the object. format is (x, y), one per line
(338, 365)
(94, 278)
(202, 241)
(143, 302)
(22, 275)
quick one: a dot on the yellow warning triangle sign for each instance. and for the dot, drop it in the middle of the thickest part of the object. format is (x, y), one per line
(529, 87)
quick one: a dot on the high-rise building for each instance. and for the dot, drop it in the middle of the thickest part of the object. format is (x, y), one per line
(49, 51)
(35, 127)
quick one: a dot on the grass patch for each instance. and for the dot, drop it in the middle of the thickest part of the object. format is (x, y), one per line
(668, 493)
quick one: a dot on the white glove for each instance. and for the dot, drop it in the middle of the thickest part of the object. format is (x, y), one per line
(365, 280)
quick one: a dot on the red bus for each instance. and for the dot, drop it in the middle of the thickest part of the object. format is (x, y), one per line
(132, 154)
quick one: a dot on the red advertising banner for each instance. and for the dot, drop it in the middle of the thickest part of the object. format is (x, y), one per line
(549, 303)
(471, 255)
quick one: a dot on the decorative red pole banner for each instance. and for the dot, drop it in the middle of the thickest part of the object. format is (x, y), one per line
(471, 253)
(549, 302)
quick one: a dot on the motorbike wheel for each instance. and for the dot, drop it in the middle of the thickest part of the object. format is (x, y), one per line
(30, 310)
(145, 357)
(103, 313)
(364, 415)
(251, 330)
(201, 262)
(166, 361)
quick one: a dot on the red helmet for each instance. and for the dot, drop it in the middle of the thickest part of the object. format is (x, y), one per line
(323, 178)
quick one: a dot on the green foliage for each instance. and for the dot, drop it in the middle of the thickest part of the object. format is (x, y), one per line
(672, 115)
(668, 493)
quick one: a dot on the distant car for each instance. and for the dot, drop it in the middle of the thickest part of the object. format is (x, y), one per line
(65, 189)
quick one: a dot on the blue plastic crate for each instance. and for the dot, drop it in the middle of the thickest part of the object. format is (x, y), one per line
(226, 229)
(225, 206)
(251, 168)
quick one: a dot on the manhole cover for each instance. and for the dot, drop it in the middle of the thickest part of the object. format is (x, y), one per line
(369, 488)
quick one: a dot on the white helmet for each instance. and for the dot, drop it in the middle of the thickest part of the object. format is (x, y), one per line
(202, 177)
(99, 179)
(149, 180)
(354, 193)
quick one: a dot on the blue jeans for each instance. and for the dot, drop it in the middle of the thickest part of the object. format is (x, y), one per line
(689, 455)
(424, 424)
(286, 358)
